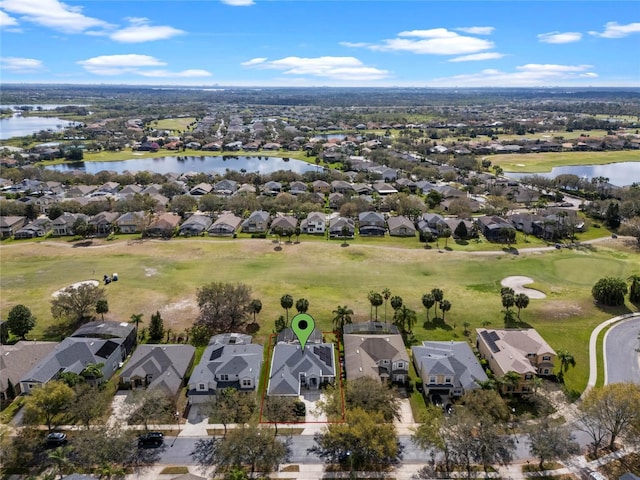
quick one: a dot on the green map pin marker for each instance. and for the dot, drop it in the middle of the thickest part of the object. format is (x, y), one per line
(302, 325)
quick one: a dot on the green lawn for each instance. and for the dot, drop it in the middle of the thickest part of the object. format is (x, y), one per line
(164, 276)
(544, 162)
(173, 124)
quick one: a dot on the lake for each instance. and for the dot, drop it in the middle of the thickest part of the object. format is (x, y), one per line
(204, 164)
(621, 173)
(18, 126)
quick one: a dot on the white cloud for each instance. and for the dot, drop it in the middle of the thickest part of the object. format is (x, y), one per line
(21, 65)
(529, 75)
(477, 30)
(135, 64)
(54, 14)
(614, 30)
(238, 3)
(475, 57)
(435, 41)
(6, 20)
(354, 44)
(560, 37)
(253, 62)
(141, 31)
(336, 68)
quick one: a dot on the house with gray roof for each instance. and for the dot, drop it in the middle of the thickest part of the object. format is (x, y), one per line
(109, 330)
(63, 225)
(315, 223)
(258, 222)
(10, 225)
(371, 224)
(286, 223)
(38, 228)
(195, 225)
(381, 356)
(447, 368)
(16, 361)
(336, 225)
(131, 222)
(401, 226)
(226, 225)
(294, 370)
(158, 366)
(103, 222)
(229, 361)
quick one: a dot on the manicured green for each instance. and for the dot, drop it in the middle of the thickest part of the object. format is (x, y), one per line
(544, 162)
(164, 276)
(173, 124)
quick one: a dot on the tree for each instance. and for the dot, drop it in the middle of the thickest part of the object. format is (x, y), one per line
(341, 316)
(508, 300)
(137, 319)
(445, 306)
(486, 404)
(550, 441)
(156, 327)
(255, 307)
(610, 291)
(60, 458)
(396, 302)
(446, 234)
(386, 293)
(302, 305)
(20, 321)
(510, 381)
(428, 301)
(375, 299)
(372, 396)
(566, 360)
(438, 296)
(634, 289)
(612, 215)
(92, 371)
(277, 409)
(364, 442)
(615, 407)
(405, 318)
(181, 204)
(48, 403)
(77, 304)
(521, 301)
(102, 307)
(286, 302)
(247, 446)
(150, 405)
(632, 227)
(224, 307)
(231, 406)
(89, 403)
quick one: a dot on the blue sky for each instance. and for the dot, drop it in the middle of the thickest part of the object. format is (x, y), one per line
(321, 43)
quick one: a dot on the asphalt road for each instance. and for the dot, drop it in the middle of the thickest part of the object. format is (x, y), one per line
(622, 360)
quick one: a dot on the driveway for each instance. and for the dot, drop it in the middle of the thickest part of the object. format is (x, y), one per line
(622, 352)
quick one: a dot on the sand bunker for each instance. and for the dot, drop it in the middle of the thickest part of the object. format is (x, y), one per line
(518, 282)
(76, 285)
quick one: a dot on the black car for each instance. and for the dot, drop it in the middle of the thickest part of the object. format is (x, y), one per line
(56, 439)
(151, 439)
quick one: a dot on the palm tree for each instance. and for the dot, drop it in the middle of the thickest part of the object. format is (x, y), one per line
(302, 305)
(445, 306)
(376, 300)
(566, 360)
(60, 457)
(92, 371)
(396, 302)
(521, 301)
(342, 315)
(486, 323)
(137, 319)
(437, 295)
(405, 319)
(286, 302)
(255, 306)
(510, 380)
(386, 293)
(428, 301)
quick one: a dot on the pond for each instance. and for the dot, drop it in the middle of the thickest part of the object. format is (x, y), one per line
(18, 126)
(204, 164)
(620, 173)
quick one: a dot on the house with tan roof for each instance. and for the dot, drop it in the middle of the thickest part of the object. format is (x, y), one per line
(522, 351)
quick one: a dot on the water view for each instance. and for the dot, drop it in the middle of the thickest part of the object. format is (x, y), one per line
(205, 164)
(19, 126)
(621, 173)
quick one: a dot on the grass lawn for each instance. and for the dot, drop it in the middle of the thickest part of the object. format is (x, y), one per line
(544, 162)
(173, 124)
(164, 276)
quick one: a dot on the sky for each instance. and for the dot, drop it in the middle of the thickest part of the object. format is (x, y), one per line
(321, 43)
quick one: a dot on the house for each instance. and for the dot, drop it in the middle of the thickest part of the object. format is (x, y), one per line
(258, 222)
(285, 223)
(158, 366)
(103, 222)
(461, 229)
(315, 223)
(201, 189)
(131, 189)
(38, 228)
(164, 225)
(110, 330)
(447, 368)
(131, 222)
(335, 200)
(401, 226)
(341, 227)
(80, 191)
(384, 188)
(195, 225)
(16, 361)
(522, 351)
(320, 186)
(296, 188)
(294, 370)
(226, 225)
(340, 186)
(271, 188)
(494, 228)
(381, 356)
(229, 361)
(430, 225)
(371, 224)
(225, 187)
(10, 225)
(63, 225)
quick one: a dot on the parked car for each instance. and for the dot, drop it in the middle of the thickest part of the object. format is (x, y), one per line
(151, 439)
(56, 439)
